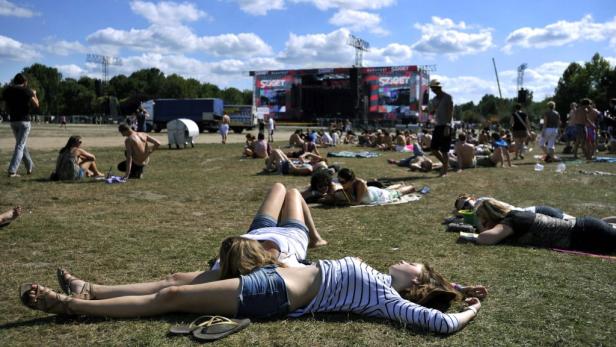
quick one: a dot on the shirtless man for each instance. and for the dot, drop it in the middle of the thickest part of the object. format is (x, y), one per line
(7, 217)
(137, 151)
(296, 139)
(464, 157)
(224, 128)
(579, 120)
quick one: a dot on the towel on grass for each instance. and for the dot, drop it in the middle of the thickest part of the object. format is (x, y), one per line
(115, 179)
(610, 160)
(349, 154)
(402, 200)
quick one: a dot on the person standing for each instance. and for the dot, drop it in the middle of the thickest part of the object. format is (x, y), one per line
(142, 114)
(19, 98)
(224, 128)
(579, 120)
(270, 128)
(520, 130)
(442, 107)
(551, 120)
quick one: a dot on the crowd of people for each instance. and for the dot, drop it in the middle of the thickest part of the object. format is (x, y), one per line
(263, 273)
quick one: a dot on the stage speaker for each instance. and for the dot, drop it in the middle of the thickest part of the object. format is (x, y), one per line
(522, 93)
(354, 83)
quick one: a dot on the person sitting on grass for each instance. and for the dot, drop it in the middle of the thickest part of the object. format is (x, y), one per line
(8, 216)
(260, 149)
(499, 223)
(137, 151)
(321, 186)
(249, 145)
(355, 191)
(464, 155)
(500, 153)
(309, 163)
(296, 140)
(254, 284)
(75, 162)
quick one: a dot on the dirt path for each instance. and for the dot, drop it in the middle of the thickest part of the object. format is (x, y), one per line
(50, 136)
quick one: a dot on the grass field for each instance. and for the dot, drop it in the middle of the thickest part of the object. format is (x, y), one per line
(174, 218)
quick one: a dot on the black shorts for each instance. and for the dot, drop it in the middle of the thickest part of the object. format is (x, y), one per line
(136, 170)
(441, 138)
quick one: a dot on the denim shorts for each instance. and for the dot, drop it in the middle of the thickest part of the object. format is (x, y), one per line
(267, 221)
(263, 294)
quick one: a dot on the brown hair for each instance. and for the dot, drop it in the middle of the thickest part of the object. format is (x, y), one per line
(492, 210)
(124, 128)
(432, 291)
(239, 256)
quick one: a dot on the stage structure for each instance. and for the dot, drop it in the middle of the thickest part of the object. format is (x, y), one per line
(363, 94)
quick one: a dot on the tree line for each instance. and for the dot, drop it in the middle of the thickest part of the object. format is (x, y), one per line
(88, 96)
(595, 79)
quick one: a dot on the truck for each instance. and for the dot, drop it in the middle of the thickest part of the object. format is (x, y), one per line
(205, 112)
(242, 117)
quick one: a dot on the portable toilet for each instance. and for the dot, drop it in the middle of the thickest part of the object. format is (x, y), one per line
(182, 132)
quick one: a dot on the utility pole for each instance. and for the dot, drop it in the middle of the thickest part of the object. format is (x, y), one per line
(497, 80)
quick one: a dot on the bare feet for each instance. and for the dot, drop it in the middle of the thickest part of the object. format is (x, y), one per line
(44, 299)
(74, 286)
(317, 243)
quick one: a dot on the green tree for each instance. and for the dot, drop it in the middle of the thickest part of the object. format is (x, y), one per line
(76, 98)
(46, 81)
(232, 96)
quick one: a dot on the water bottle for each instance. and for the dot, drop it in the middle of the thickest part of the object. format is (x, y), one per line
(538, 167)
(561, 167)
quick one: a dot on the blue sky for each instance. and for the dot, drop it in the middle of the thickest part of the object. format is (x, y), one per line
(219, 41)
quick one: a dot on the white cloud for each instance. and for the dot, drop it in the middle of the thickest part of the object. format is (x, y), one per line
(64, 48)
(444, 36)
(392, 54)
(358, 21)
(14, 50)
(260, 7)
(315, 50)
(167, 11)
(9, 9)
(562, 33)
(349, 4)
(168, 39)
(71, 71)
(467, 88)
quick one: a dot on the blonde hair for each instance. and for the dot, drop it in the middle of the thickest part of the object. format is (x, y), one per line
(551, 104)
(239, 256)
(432, 291)
(492, 210)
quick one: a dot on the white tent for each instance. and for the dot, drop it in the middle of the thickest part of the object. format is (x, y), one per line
(182, 132)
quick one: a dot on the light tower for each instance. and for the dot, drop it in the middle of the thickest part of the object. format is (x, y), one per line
(360, 46)
(104, 61)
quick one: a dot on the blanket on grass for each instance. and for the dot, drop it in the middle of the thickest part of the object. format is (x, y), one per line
(602, 256)
(403, 200)
(349, 154)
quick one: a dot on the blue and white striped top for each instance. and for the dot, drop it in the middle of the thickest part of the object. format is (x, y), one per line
(350, 285)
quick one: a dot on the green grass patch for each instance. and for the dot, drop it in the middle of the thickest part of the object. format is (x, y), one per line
(174, 218)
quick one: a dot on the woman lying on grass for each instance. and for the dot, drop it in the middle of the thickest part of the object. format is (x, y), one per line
(500, 223)
(469, 202)
(267, 288)
(355, 191)
(310, 162)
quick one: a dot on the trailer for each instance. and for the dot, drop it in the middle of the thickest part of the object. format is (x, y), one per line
(206, 113)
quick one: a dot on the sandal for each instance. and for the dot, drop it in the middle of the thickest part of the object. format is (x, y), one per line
(42, 302)
(210, 328)
(86, 292)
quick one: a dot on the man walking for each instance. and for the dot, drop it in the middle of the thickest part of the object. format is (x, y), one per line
(18, 98)
(442, 107)
(551, 120)
(520, 130)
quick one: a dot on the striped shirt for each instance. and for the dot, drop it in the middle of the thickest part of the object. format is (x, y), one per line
(350, 285)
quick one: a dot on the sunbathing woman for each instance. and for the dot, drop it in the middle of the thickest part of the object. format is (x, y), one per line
(8, 216)
(266, 289)
(356, 191)
(310, 162)
(286, 239)
(469, 202)
(499, 223)
(75, 162)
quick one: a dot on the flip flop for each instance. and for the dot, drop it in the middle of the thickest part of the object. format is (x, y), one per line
(219, 327)
(197, 323)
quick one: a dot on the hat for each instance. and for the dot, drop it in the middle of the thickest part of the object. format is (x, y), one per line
(435, 84)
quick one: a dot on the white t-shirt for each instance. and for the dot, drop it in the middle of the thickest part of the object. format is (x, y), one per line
(292, 243)
(270, 124)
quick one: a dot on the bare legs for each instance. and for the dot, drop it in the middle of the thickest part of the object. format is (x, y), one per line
(218, 297)
(89, 166)
(10, 215)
